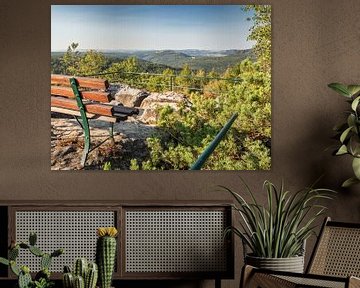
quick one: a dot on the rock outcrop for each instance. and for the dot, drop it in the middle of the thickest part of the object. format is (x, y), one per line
(67, 142)
(148, 102)
(154, 101)
(130, 97)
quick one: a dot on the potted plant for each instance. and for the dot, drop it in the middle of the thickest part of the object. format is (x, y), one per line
(276, 233)
(42, 278)
(87, 274)
(106, 254)
(349, 132)
(84, 274)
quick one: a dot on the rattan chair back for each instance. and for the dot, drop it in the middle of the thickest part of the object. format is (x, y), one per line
(337, 252)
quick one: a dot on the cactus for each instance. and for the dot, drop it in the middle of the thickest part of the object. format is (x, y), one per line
(24, 246)
(44, 273)
(67, 269)
(79, 282)
(32, 238)
(13, 253)
(23, 273)
(24, 278)
(87, 272)
(105, 254)
(68, 280)
(45, 261)
(91, 276)
(25, 269)
(36, 251)
(57, 252)
(80, 267)
(14, 268)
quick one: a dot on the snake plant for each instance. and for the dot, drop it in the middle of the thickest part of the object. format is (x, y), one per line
(349, 131)
(280, 228)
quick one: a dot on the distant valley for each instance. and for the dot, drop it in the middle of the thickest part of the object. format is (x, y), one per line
(176, 59)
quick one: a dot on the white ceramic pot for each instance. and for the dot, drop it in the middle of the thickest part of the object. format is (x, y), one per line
(291, 264)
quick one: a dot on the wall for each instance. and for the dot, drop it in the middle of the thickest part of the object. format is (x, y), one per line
(315, 42)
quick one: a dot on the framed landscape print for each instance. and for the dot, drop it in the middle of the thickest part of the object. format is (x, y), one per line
(160, 87)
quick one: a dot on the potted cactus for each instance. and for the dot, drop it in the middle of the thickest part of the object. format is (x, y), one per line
(106, 254)
(84, 275)
(42, 278)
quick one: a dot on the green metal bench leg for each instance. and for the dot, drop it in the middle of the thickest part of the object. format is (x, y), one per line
(111, 133)
(86, 151)
(111, 130)
(85, 122)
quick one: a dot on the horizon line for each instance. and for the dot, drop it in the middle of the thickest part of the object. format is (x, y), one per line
(165, 49)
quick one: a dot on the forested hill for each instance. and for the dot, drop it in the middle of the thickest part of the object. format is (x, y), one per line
(196, 59)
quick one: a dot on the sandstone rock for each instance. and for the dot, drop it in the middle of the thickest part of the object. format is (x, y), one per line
(154, 101)
(130, 97)
(67, 144)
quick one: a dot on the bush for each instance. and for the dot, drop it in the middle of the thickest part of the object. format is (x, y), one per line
(191, 129)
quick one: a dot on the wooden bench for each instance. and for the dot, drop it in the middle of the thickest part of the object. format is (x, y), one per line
(86, 98)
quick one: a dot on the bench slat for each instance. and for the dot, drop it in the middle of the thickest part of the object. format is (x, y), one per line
(90, 95)
(88, 115)
(84, 82)
(99, 109)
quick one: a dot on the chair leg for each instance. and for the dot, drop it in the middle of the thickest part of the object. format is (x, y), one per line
(217, 283)
(246, 273)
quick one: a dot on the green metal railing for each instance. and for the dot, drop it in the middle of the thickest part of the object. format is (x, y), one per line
(172, 82)
(212, 146)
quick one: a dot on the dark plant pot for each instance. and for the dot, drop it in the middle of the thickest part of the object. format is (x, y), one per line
(291, 264)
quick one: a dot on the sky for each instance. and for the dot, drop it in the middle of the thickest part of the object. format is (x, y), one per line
(150, 27)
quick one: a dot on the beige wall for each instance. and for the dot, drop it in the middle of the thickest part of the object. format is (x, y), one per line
(315, 42)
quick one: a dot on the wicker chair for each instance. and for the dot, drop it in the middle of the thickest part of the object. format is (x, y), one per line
(334, 263)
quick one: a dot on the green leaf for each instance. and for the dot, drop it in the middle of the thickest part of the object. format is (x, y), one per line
(351, 120)
(353, 89)
(280, 228)
(349, 182)
(354, 145)
(356, 167)
(340, 88)
(355, 103)
(345, 134)
(342, 150)
(4, 261)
